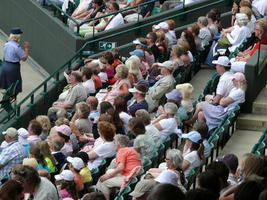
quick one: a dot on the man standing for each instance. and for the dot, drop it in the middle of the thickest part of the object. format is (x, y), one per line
(12, 154)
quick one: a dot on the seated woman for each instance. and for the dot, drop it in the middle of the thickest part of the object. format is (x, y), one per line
(105, 149)
(213, 114)
(186, 89)
(166, 123)
(194, 155)
(143, 143)
(173, 161)
(134, 64)
(127, 159)
(121, 86)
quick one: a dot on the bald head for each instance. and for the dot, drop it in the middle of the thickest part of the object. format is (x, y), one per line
(92, 102)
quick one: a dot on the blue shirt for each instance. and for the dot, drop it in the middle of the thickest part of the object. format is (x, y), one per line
(13, 52)
(11, 155)
(137, 106)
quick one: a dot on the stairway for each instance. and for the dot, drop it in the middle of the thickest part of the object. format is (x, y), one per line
(257, 120)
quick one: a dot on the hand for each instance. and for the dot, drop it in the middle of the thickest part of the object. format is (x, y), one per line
(26, 45)
(104, 177)
(163, 116)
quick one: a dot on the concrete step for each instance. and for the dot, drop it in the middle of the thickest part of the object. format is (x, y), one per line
(260, 104)
(253, 122)
(241, 142)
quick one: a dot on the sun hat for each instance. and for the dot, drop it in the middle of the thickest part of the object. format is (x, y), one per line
(162, 25)
(222, 60)
(166, 64)
(142, 187)
(23, 135)
(64, 129)
(170, 108)
(139, 88)
(66, 175)
(12, 132)
(230, 160)
(138, 42)
(16, 30)
(174, 94)
(138, 52)
(76, 162)
(194, 136)
(168, 176)
(239, 77)
(31, 162)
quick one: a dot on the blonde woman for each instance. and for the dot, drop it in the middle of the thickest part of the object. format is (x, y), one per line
(213, 114)
(186, 89)
(46, 125)
(13, 54)
(134, 64)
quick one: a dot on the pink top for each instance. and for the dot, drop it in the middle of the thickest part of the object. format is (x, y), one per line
(114, 92)
(110, 71)
(64, 193)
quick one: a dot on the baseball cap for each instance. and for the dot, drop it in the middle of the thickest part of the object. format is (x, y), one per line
(12, 132)
(142, 187)
(230, 160)
(139, 43)
(166, 64)
(194, 136)
(162, 25)
(16, 30)
(139, 88)
(239, 77)
(66, 175)
(23, 135)
(76, 162)
(222, 60)
(174, 94)
(138, 52)
(168, 176)
(64, 129)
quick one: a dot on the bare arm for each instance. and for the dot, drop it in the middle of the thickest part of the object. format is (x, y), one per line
(225, 101)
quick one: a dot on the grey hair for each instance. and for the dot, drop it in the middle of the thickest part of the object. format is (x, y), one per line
(203, 20)
(176, 157)
(170, 108)
(142, 113)
(61, 113)
(122, 71)
(121, 140)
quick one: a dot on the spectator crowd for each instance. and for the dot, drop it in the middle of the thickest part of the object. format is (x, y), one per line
(115, 113)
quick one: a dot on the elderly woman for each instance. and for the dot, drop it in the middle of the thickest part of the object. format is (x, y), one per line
(164, 85)
(127, 159)
(143, 143)
(173, 161)
(13, 54)
(106, 149)
(166, 123)
(213, 114)
(120, 88)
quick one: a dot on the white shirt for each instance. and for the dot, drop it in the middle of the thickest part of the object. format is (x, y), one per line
(103, 151)
(169, 126)
(89, 86)
(194, 161)
(225, 85)
(125, 117)
(45, 190)
(115, 22)
(103, 77)
(153, 132)
(237, 36)
(261, 5)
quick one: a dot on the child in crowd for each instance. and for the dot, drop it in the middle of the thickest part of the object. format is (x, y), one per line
(76, 165)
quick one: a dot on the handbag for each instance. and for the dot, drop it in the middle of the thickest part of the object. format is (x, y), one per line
(223, 41)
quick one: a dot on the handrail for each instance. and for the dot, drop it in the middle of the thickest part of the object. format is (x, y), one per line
(79, 53)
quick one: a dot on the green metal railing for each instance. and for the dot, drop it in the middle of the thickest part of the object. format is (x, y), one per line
(79, 24)
(55, 76)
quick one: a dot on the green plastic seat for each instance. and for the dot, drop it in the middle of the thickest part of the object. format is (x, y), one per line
(161, 153)
(147, 164)
(154, 159)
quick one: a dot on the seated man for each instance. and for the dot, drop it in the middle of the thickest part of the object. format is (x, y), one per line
(224, 86)
(12, 154)
(164, 85)
(75, 95)
(126, 160)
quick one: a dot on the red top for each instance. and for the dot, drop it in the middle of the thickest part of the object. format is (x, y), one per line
(257, 45)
